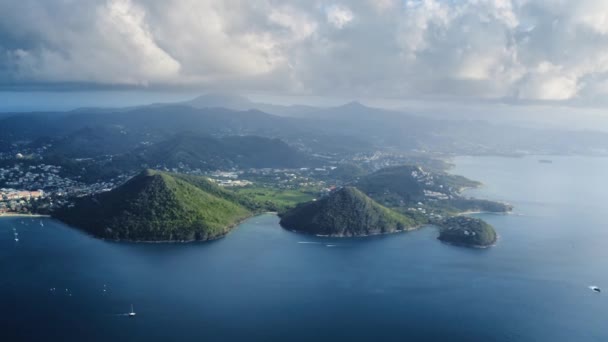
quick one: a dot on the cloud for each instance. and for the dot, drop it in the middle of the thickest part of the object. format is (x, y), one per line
(549, 50)
(339, 16)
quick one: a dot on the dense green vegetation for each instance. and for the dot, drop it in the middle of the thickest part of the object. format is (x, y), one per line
(278, 200)
(458, 205)
(195, 151)
(467, 231)
(156, 206)
(345, 212)
(407, 186)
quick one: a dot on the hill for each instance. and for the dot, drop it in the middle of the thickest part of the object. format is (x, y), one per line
(408, 183)
(156, 206)
(407, 186)
(196, 151)
(467, 231)
(345, 212)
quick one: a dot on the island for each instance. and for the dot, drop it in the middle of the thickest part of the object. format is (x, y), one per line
(467, 231)
(345, 212)
(159, 206)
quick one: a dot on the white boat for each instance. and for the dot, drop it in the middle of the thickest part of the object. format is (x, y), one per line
(41, 224)
(132, 313)
(16, 239)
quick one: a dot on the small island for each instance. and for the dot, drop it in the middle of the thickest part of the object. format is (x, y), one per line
(346, 212)
(467, 231)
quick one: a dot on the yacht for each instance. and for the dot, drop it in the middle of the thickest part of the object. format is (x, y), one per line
(595, 289)
(132, 313)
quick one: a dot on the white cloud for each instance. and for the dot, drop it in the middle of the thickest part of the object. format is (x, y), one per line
(527, 49)
(339, 16)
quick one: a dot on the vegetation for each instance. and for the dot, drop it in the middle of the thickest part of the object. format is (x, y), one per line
(407, 186)
(345, 212)
(196, 151)
(467, 231)
(458, 205)
(278, 200)
(156, 206)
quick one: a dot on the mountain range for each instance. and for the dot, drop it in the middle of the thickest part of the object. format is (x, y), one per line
(348, 129)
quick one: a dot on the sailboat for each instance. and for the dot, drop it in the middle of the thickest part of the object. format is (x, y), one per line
(132, 313)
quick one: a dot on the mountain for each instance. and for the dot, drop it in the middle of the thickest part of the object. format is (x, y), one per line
(345, 212)
(219, 100)
(348, 129)
(236, 102)
(90, 142)
(157, 206)
(195, 151)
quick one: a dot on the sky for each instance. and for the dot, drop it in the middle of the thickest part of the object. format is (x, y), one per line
(540, 52)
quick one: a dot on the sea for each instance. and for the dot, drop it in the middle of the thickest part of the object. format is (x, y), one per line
(263, 283)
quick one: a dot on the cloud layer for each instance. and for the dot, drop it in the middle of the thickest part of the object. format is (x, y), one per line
(488, 49)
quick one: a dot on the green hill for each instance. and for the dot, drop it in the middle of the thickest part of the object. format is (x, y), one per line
(467, 231)
(408, 186)
(210, 153)
(408, 183)
(345, 212)
(156, 206)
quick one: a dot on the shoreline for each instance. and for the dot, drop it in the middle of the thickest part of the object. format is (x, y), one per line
(219, 237)
(22, 215)
(474, 212)
(357, 236)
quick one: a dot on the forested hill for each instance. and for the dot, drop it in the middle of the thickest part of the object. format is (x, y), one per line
(210, 153)
(156, 206)
(345, 212)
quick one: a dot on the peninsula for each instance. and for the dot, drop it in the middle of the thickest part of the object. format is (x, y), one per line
(158, 206)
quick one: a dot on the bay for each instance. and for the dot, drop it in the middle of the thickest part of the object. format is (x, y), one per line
(263, 283)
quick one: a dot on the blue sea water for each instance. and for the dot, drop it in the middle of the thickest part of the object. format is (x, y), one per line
(262, 283)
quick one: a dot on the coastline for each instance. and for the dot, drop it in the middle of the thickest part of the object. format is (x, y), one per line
(474, 212)
(230, 229)
(357, 236)
(22, 215)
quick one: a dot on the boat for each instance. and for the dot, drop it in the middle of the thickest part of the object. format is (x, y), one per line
(595, 289)
(41, 224)
(132, 313)
(16, 239)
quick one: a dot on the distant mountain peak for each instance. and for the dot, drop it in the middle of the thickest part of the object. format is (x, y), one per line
(354, 104)
(224, 100)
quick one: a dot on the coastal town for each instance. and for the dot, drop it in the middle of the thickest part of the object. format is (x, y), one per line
(29, 184)
(41, 188)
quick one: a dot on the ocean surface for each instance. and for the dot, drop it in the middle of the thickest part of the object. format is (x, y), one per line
(263, 283)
